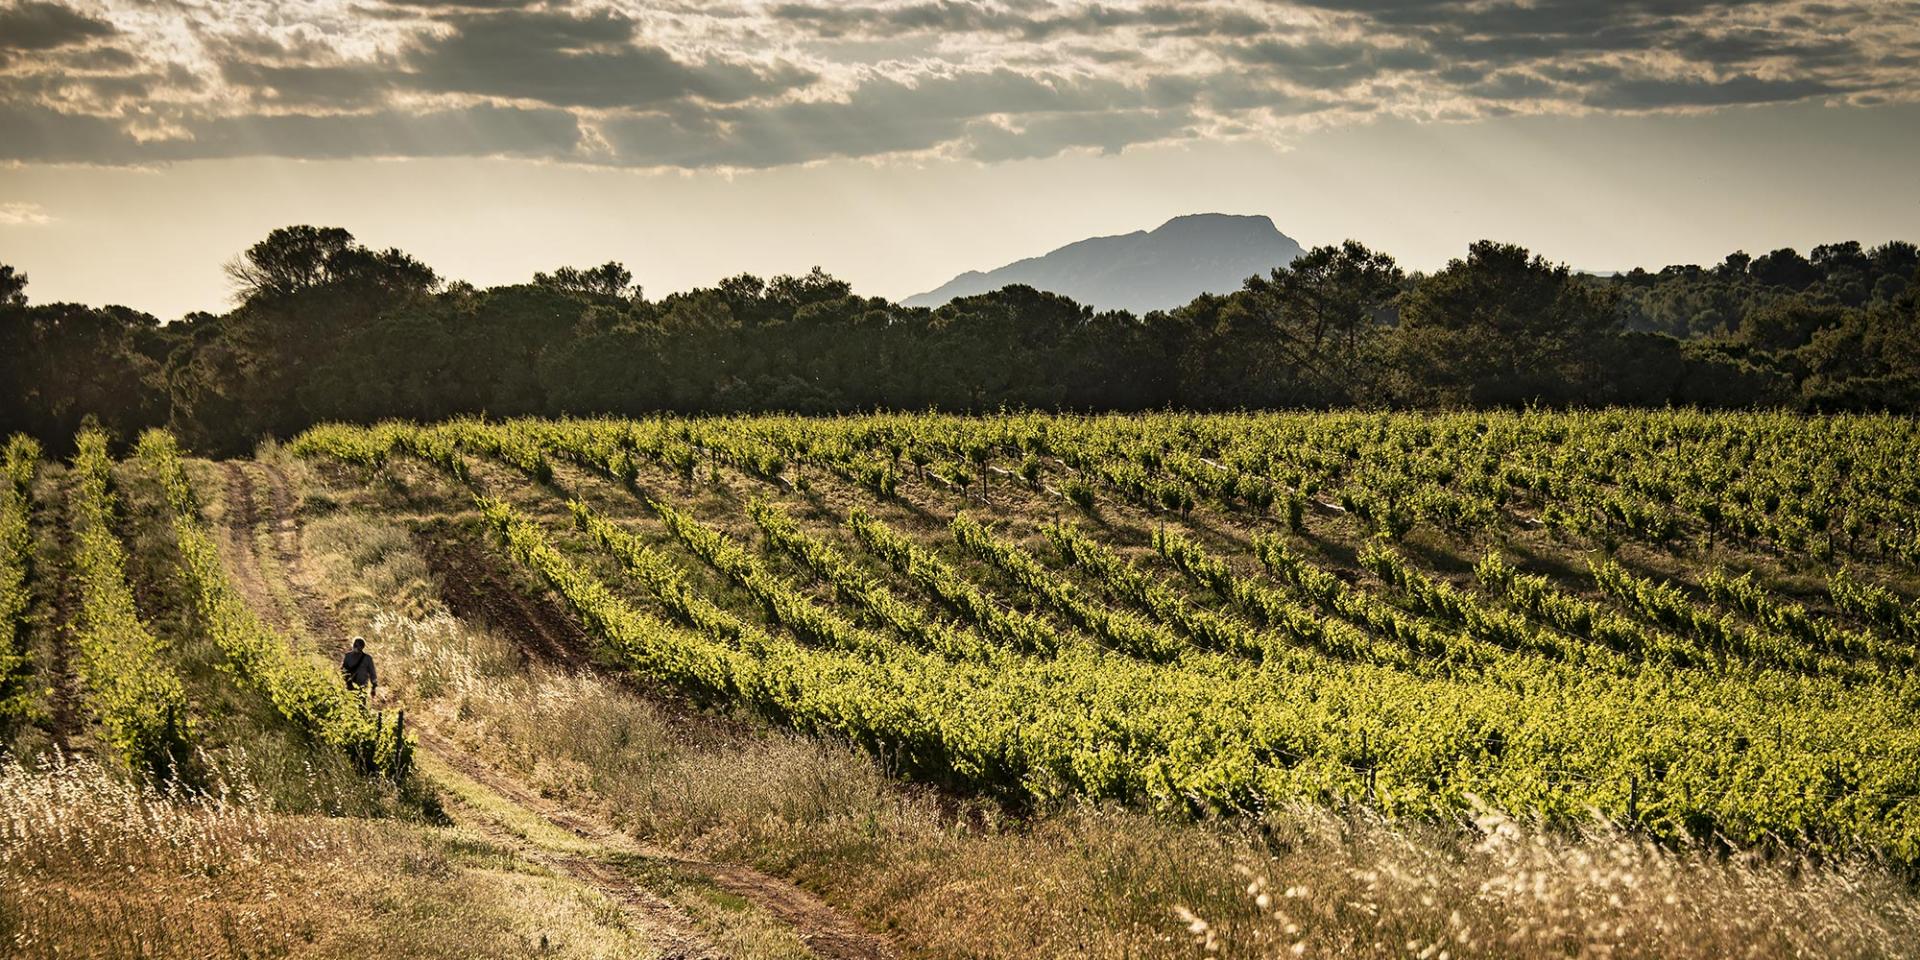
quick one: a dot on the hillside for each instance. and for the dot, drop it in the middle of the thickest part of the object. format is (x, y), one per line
(1142, 270)
(1156, 686)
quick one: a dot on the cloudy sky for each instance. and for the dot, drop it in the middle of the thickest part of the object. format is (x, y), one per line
(142, 142)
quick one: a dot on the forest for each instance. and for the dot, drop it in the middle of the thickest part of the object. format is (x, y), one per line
(325, 328)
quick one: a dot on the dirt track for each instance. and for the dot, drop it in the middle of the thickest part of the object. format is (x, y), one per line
(476, 589)
(237, 548)
(55, 586)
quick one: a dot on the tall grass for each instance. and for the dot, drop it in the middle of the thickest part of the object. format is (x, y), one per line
(93, 864)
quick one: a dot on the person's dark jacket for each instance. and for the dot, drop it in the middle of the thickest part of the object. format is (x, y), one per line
(357, 667)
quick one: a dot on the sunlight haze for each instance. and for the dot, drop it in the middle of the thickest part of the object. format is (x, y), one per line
(899, 144)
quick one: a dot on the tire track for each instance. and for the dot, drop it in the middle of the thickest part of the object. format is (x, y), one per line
(60, 593)
(674, 934)
(819, 927)
(289, 545)
(541, 632)
(237, 548)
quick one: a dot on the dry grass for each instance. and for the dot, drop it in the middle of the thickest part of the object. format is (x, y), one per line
(266, 846)
(94, 866)
(956, 878)
(1504, 889)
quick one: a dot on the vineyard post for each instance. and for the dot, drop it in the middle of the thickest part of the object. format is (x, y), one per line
(1633, 798)
(1366, 758)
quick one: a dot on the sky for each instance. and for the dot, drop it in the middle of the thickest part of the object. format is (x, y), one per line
(897, 143)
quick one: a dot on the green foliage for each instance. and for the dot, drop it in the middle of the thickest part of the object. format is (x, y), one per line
(1693, 710)
(1536, 596)
(1667, 605)
(1022, 631)
(1874, 603)
(330, 330)
(130, 687)
(311, 696)
(1121, 630)
(16, 566)
(1126, 581)
(1080, 493)
(865, 591)
(784, 604)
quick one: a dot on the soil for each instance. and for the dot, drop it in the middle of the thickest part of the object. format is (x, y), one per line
(59, 595)
(476, 590)
(237, 546)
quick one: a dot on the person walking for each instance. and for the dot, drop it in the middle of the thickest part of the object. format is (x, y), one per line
(357, 668)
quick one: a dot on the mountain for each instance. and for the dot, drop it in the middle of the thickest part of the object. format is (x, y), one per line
(1141, 271)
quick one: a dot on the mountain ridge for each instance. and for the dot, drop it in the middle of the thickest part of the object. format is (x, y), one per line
(1143, 270)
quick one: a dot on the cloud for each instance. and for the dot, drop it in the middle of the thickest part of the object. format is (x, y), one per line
(101, 59)
(681, 83)
(881, 116)
(1033, 22)
(578, 61)
(1516, 85)
(334, 85)
(1330, 65)
(1046, 135)
(23, 215)
(46, 26)
(41, 135)
(461, 5)
(1644, 94)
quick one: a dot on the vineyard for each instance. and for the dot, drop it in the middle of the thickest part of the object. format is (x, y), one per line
(1700, 627)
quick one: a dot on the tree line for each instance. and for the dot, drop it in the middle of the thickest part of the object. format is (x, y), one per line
(326, 328)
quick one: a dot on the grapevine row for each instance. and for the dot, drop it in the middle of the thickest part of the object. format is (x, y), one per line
(131, 689)
(1120, 630)
(16, 565)
(311, 697)
(852, 584)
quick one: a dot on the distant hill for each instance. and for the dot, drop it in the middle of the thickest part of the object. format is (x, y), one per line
(1141, 271)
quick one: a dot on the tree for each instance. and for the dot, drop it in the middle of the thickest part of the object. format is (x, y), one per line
(816, 286)
(1785, 267)
(1503, 327)
(293, 260)
(1870, 360)
(1788, 323)
(64, 361)
(999, 347)
(611, 280)
(327, 328)
(289, 260)
(1895, 258)
(13, 287)
(1323, 315)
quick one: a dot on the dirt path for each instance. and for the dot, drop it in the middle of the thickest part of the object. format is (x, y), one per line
(484, 808)
(674, 933)
(282, 514)
(474, 588)
(237, 542)
(56, 587)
